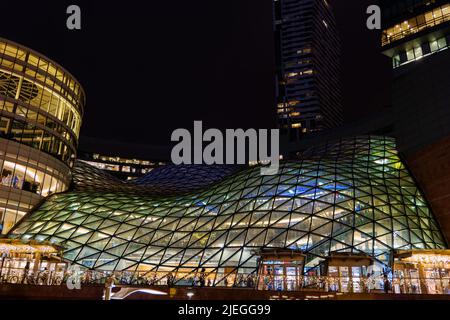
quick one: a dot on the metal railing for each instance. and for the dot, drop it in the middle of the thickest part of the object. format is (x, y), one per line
(378, 284)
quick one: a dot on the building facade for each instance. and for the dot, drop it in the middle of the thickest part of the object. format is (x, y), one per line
(308, 69)
(120, 167)
(416, 37)
(41, 107)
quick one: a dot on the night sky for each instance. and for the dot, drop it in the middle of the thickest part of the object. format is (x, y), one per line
(149, 67)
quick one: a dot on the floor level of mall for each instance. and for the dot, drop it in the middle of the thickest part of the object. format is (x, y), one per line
(413, 272)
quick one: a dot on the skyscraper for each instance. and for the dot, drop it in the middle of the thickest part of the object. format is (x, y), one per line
(307, 53)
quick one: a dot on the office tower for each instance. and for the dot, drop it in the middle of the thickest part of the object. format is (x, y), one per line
(308, 70)
(416, 36)
(41, 107)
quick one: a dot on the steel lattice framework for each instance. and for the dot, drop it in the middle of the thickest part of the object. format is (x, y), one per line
(354, 195)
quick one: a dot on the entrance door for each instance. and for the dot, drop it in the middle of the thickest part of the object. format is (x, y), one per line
(280, 270)
(414, 281)
(279, 278)
(344, 278)
(357, 279)
(275, 275)
(292, 278)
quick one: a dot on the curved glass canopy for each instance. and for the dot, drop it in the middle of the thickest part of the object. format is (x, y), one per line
(353, 196)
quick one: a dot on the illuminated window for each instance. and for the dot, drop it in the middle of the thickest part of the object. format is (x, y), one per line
(296, 125)
(418, 52)
(112, 167)
(446, 10)
(396, 61)
(434, 46)
(442, 43)
(304, 51)
(410, 54)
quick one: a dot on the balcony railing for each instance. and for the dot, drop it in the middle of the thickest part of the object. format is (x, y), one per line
(389, 38)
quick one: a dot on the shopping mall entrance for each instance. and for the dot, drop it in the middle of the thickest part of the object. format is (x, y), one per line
(280, 270)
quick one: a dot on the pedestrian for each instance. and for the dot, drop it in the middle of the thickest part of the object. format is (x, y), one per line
(202, 277)
(386, 285)
(170, 279)
(25, 273)
(109, 284)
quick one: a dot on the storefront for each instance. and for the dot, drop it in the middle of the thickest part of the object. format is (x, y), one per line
(422, 272)
(354, 273)
(31, 263)
(280, 270)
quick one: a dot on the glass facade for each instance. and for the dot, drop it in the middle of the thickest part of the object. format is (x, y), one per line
(41, 105)
(352, 196)
(27, 175)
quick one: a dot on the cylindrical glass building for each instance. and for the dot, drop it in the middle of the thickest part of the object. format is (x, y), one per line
(41, 107)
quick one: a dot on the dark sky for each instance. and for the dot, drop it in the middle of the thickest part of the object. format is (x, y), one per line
(149, 67)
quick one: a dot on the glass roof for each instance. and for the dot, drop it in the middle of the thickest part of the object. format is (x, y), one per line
(353, 196)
